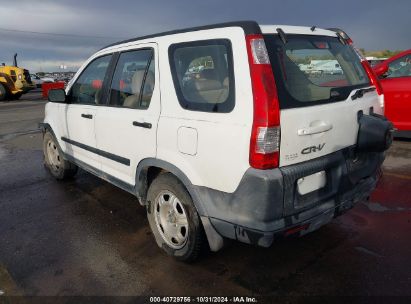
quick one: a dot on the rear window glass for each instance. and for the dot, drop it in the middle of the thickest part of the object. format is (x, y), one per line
(312, 70)
(203, 75)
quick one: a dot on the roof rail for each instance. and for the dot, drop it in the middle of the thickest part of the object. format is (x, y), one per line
(249, 27)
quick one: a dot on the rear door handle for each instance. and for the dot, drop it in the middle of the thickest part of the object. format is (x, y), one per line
(146, 125)
(320, 128)
(88, 116)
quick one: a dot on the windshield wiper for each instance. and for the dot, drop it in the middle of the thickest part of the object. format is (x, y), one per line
(360, 93)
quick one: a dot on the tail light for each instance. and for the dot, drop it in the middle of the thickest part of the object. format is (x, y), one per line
(265, 134)
(372, 76)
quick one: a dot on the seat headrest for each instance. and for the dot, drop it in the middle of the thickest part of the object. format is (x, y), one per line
(150, 81)
(206, 85)
(208, 74)
(138, 78)
(136, 81)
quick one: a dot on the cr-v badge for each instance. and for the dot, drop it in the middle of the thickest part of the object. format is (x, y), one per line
(308, 150)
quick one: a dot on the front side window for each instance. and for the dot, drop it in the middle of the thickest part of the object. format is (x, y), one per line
(133, 80)
(400, 67)
(312, 70)
(88, 87)
(203, 75)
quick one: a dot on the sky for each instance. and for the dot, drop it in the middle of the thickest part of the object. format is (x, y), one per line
(78, 28)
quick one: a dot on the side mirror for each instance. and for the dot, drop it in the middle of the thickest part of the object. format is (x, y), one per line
(380, 70)
(57, 95)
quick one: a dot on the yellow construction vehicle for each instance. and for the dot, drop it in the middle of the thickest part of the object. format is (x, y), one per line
(14, 81)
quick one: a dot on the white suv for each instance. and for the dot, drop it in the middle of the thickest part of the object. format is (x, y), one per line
(220, 133)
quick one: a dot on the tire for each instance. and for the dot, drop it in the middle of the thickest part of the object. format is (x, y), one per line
(3, 92)
(173, 218)
(58, 167)
(16, 96)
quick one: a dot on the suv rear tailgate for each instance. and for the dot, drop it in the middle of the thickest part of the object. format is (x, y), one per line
(318, 79)
(336, 124)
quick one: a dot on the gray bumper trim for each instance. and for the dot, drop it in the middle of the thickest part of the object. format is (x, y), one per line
(266, 202)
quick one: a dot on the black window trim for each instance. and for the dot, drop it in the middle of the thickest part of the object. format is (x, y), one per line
(229, 104)
(103, 96)
(110, 80)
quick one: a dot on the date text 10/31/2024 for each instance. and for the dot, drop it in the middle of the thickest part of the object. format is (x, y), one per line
(236, 299)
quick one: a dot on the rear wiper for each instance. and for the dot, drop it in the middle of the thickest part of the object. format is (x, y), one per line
(341, 38)
(360, 93)
(335, 95)
(282, 35)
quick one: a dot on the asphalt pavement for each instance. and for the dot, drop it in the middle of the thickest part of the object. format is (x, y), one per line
(87, 237)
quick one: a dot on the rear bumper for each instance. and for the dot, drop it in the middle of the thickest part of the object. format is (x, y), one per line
(267, 204)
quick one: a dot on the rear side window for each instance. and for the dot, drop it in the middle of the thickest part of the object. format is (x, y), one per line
(203, 75)
(313, 70)
(133, 81)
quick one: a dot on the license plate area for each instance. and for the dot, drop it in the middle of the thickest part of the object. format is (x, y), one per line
(311, 182)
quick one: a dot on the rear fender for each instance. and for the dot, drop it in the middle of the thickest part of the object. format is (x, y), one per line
(215, 240)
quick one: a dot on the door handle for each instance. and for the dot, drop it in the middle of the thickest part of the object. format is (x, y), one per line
(88, 116)
(146, 125)
(320, 128)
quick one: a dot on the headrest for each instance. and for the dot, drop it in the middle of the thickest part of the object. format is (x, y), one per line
(226, 82)
(206, 85)
(97, 84)
(136, 81)
(208, 74)
(150, 80)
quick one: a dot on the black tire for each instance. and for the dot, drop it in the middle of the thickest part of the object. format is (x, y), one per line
(3, 92)
(16, 96)
(168, 183)
(58, 167)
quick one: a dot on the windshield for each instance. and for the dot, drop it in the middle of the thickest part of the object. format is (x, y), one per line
(312, 70)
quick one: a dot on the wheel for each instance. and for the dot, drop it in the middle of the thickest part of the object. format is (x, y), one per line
(16, 96)
(3, 92)
(173, 218)
(54, 161)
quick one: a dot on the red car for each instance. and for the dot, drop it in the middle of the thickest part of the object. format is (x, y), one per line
(395, 77)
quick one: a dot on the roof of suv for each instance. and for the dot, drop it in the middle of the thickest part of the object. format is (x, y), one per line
(249, 27)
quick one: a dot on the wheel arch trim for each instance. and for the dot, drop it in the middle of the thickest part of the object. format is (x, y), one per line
(141, 180)
(215, 240)
(44, 127)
